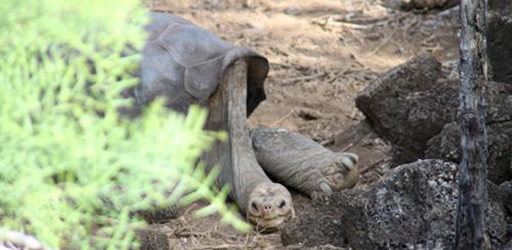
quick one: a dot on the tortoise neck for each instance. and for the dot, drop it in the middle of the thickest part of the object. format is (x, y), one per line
(228, 112)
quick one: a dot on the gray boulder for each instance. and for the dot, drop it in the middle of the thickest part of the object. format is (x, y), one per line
(506, 194)
(415, 208)
(319, 226)
(506, 197)
(408, 5)
(412, 103)
(446, 146)
(409, 105)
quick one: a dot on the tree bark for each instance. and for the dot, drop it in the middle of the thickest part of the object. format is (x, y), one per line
(470, 234)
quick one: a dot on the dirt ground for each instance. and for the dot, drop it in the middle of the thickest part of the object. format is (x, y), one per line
(321, 53)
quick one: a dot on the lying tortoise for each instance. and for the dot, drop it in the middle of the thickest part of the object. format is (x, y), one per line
(188, 65)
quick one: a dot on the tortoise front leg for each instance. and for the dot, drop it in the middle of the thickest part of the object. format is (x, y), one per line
(303, 164)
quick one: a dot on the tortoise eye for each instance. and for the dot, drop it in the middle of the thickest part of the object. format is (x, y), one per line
(282, 204)
(254, 206)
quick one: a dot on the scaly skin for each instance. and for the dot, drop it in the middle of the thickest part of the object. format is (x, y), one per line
(265, 203)
(303, 164)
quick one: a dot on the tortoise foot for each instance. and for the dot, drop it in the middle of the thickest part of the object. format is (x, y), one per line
(347, 161)
(338, 170)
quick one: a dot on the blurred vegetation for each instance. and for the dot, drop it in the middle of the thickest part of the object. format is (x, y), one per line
(72, 171)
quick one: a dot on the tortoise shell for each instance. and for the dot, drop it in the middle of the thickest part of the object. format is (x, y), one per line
(184, 64)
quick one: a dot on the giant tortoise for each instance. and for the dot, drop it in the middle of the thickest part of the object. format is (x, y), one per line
(189, 65)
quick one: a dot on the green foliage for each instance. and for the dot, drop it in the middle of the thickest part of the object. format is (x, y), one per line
(64, 151)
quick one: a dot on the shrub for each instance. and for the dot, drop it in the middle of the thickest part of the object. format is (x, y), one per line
(65, 152)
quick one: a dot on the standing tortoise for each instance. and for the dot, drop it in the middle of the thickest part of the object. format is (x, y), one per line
(189, 65)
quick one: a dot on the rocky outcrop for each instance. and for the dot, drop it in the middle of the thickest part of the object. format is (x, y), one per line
(446, 146)
(409, 105)
(506, 197)
(413, 103)
(414, 208)
(319, 226)
(420, 4)
(506, 194)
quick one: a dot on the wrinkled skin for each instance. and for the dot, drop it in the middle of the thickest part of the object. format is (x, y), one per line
(301, 163)
(269, 206)
(341, 173)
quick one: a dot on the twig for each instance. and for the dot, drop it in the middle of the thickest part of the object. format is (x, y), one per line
(282, 119)
(218, 232)
(224, 246)
(362, 24)
(364, 170)
(185, 234)
(450, 11)
(194, 205)
(301, 78)
(246, 241)
(280, 65)
(339, 23)
(339, 74)
(405, 33)
(346, 148)
(381, 45)
(325, 142)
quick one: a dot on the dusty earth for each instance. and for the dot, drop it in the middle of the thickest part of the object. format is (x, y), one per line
(322, 53)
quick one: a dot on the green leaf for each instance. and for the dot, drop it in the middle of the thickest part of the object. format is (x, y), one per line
(72, 169)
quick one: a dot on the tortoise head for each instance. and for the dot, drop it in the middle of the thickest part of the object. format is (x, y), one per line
(342, 173)
(270, 205)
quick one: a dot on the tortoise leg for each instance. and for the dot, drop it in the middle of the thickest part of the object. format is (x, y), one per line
(264, 202)
(303, 164)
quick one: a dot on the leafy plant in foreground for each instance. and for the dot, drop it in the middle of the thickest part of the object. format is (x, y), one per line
(64, 151)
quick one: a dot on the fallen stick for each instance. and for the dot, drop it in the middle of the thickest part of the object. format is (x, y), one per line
(368, 168)
(386, 41)
(301, 78)
(282, 119)
(224, 246)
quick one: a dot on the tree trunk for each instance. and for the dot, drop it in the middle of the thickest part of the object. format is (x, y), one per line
(470, 234)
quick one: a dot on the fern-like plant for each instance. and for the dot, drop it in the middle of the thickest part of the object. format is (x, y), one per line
(65, 151)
